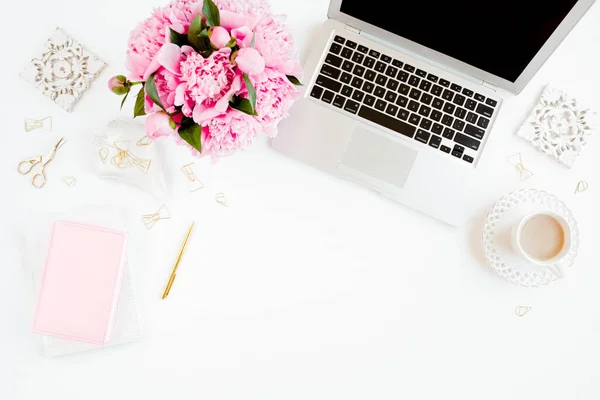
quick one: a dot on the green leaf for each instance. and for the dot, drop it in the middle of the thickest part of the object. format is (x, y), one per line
(152, 92)
(194, 32)
(251, 91)
(125, 98)
(140, 101)
(232, 42)
(204, 33)
(294, 80)
(191, 132)
(178, 38)
(253, 40)
(242, 105)
(211, 12)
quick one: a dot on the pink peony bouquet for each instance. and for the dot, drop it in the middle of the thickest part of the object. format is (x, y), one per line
(213, 74)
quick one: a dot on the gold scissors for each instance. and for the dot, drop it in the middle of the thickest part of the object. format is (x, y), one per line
(25, 166)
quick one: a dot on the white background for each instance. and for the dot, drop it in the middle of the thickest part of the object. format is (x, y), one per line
(306, 287)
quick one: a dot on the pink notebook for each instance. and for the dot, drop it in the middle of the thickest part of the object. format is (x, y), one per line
(81, 282)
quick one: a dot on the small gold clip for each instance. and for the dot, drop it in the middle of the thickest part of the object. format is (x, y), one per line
(221, 199)
(151, 219)
(582, 187)
(517, 161)
(144, 141)
(195, 183)
(522, 310)
(69, 181)
(121, 160)
(33, 124)
(103, 152)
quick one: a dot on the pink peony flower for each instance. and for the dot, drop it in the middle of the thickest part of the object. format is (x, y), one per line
(256, 8)
(274, 97)
(250, 61)
(166, 85)
(278, 47)
(159, 124)
(219, 37)
(227, 133)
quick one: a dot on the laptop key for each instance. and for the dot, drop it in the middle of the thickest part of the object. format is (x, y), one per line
(359, 70)
(328, 96)
(459, 148)
(471, 117)
(316, 92)
(347, 53)
(449, 108)
(347, 91)
(391, 71)
(437, 103)
(379, 92)
(333, 60)
(351, 44)
(415, 94)
(339, 101)
(370, 75)
(368, 87)
(347, 66)
(424, 111)
(404, 89)
(421, 73)
(474, 131)
(479, 97)
(363, 49)
(335, 48)
(328, 83)
(403, 76)
(390, 96)
(425, 85)
(358, 95)
(459, 99)
(374, 53)
(437, 128)
(369, 62)
(435, 142)
(397, 63)
(351, 106)
(381, 80)
(436, 115)
(330, 71)
(413, 106)
(392, 109)
(370, 100)
(339, 39)
(457, 154)
(414, 81)
(392, 84)
(380, 67)
(447, 120)
(483, 122)
(459, 125)
(456, 88)
(448, 95)
(389, 122)
(445, 149)
(380, 105)
(467, 92)
(467, 141)
(346, 77)
(432, 78)
(426, 123)
(485, 110)
(414, 119)
(471, 104)
(444, 83)
(426, 98)
(409, 68)
(386, 59)
(402, 101)
(491, 102)
(448, 133)
(460, 113)
(422, 136)
(357, 82)
(468, 159)
(437, 90)
(403, 115)
(358, 57)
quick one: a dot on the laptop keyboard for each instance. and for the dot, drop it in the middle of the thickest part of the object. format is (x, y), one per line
(405, 99)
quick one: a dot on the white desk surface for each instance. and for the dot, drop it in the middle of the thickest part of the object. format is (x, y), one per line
(306, 287)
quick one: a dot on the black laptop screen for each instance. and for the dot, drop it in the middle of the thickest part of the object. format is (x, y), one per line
(500, 37)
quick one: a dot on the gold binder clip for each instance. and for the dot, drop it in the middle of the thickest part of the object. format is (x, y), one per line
(151, 219)
(69, 181)
(221, 199)
(582, 187)
(33, 124)
(195, 183)
(103, 152)
(521, 311)
(144, 141)
(517, 161)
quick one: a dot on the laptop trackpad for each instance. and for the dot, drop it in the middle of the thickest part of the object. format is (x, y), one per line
(373, 159)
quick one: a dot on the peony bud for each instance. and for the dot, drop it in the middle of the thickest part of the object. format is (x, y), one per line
(159, 124)
(119, 85)
(250, 61)
(219, 37)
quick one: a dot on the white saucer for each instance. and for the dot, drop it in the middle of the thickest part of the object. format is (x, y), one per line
(497, 236)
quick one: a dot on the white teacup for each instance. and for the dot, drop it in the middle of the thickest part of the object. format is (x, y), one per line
(544, 238)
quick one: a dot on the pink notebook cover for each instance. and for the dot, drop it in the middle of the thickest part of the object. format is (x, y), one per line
(81, 283)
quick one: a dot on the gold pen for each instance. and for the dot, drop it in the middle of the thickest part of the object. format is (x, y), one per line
(174, 272)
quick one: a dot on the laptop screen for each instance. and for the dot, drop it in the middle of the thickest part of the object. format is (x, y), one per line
(500, 37)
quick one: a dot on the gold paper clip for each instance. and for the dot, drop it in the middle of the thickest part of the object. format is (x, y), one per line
(126, 159)
(151, 219)
(582, 187)
(104, 153)
(522, 310)
(33, 124)
(517, 161)
(221, 199)
(195, 183)
(69, 181)
(144, 141)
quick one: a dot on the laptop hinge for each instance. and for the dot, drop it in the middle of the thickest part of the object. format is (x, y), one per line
(352, 29)
(490, 86)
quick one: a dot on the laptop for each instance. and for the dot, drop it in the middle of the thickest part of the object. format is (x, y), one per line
(402, 99)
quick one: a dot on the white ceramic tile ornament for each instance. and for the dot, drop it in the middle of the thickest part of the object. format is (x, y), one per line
(559, 126)
(64, 70)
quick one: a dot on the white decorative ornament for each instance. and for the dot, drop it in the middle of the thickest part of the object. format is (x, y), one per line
(64, 70)
(559, 126)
